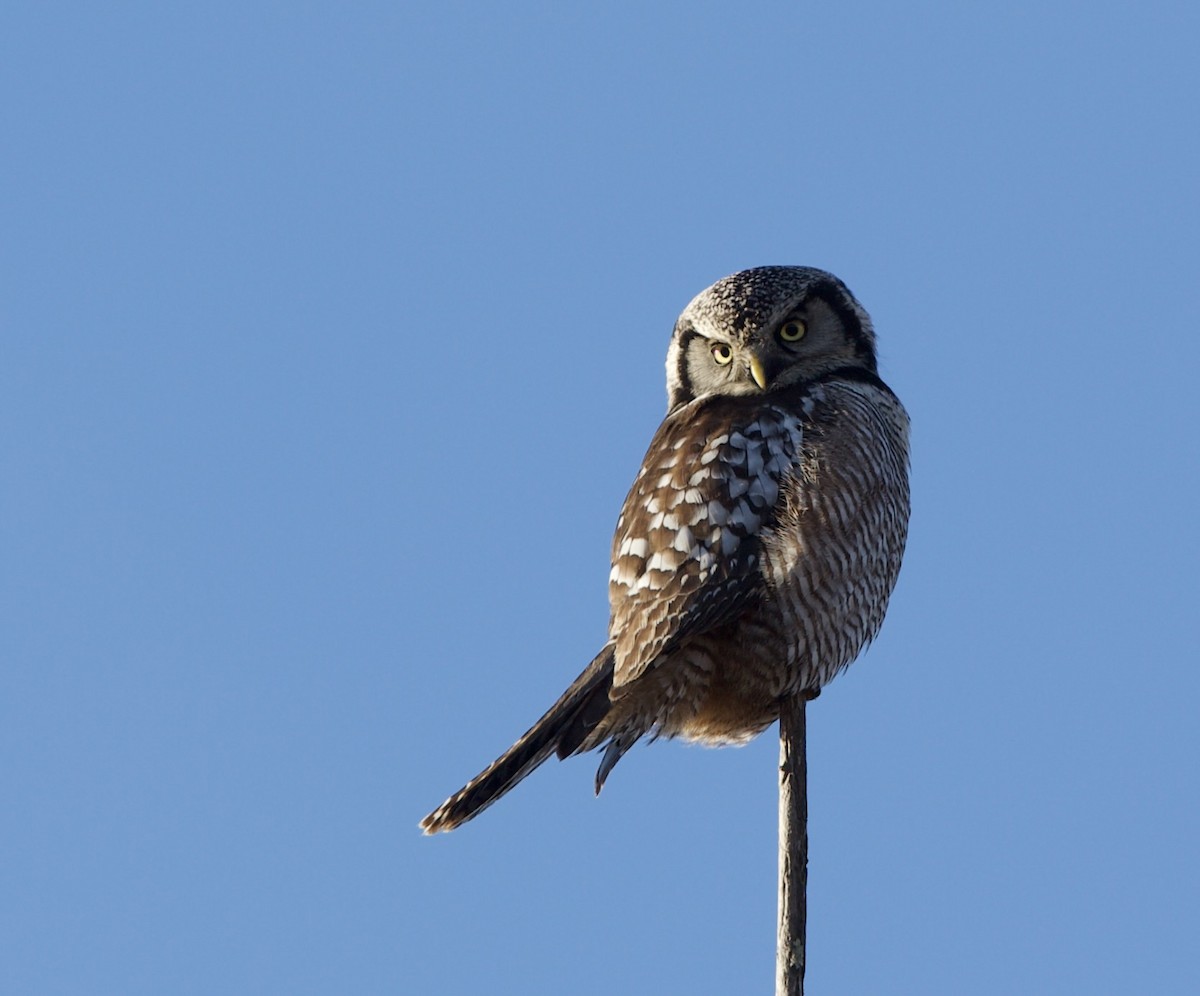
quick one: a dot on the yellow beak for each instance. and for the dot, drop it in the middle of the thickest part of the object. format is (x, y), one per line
(757, 372)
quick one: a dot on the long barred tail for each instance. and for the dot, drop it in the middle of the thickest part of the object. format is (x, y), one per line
(562, 730)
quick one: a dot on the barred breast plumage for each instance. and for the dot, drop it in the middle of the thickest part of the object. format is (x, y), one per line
(758, 546)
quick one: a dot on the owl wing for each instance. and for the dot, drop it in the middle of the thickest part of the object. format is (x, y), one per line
(686, 553)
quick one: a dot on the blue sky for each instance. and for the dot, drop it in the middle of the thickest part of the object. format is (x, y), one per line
(332, 337)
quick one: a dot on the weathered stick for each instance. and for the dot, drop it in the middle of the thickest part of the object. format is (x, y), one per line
(793, 847)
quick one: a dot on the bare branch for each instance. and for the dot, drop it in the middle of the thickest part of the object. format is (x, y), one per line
(793, 847)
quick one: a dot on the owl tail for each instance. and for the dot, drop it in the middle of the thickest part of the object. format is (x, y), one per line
(562, 730)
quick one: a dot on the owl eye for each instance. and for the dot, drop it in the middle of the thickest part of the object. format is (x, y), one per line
(722, 353)
(793, 331)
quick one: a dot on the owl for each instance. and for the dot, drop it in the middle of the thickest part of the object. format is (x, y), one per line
(756, 551)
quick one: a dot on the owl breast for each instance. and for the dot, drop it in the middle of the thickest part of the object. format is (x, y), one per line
(831, 560)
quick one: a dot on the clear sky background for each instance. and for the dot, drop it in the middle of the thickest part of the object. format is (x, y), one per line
(332, 337)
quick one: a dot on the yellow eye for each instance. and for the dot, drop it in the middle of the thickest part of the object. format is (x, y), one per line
(793, 331)
(722, 353)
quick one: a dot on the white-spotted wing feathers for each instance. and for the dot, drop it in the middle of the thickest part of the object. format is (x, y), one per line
(686, 550)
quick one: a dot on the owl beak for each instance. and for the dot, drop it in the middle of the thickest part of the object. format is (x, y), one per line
(758, 372)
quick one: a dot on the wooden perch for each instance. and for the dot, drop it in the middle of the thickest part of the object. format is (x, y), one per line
(793, 847)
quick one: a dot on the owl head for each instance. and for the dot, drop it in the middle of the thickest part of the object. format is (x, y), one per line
(766, 329)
